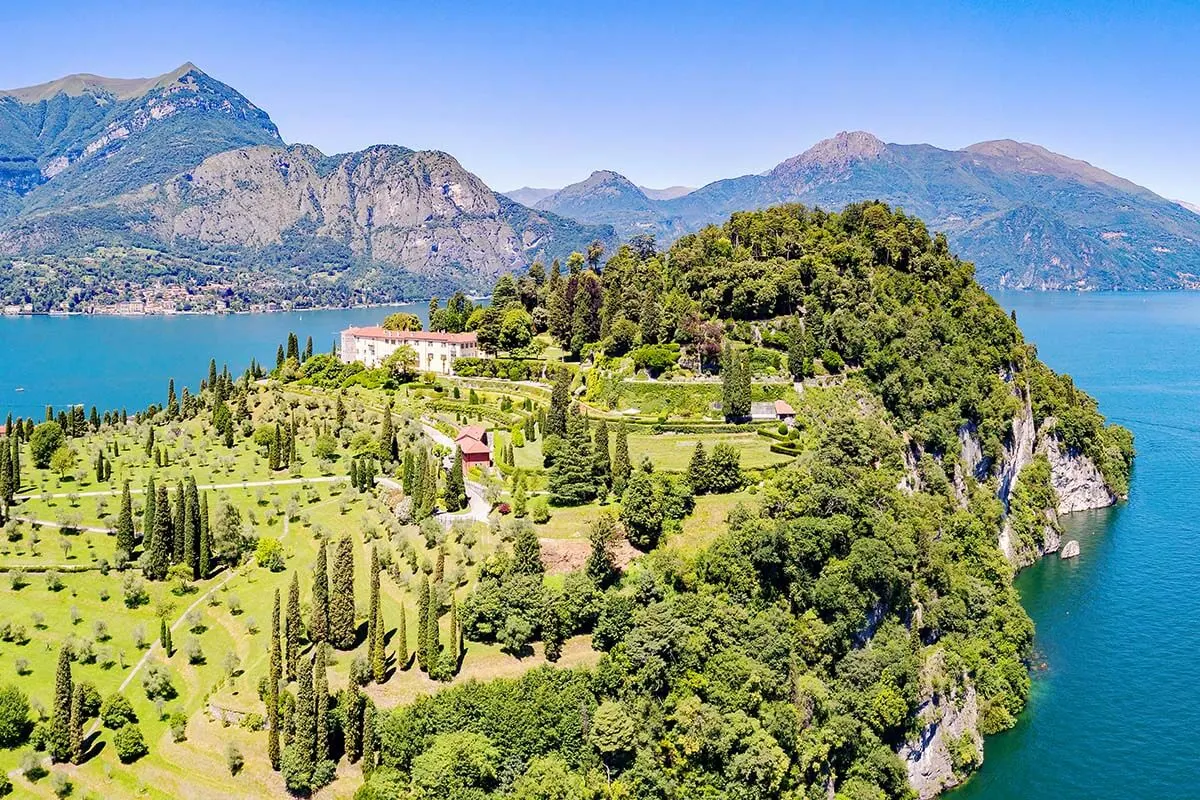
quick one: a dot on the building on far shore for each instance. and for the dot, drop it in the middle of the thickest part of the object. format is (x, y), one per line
(435, 351)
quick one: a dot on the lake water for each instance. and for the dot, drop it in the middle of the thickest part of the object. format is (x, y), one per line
(126, 361)
(1115, 711)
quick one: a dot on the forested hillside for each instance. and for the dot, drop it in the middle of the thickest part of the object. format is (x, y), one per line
(855, 621)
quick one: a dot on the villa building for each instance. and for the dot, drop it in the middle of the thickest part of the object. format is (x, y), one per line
(476, 449)
(435, 351)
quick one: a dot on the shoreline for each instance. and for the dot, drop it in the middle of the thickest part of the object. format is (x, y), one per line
(207, 313)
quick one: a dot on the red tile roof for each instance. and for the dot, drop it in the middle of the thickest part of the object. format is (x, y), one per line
(473, 447)
(376, 332)
(476, 432)
(781, 407)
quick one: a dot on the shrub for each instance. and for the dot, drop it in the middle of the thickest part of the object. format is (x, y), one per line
(129, 744)
(116, 712)
(157, 683)
(269, 554)
(60, 784)
(14, 716)
(233, 758)
(178, 724)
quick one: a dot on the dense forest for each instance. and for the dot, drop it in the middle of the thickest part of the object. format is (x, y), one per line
(789, 657)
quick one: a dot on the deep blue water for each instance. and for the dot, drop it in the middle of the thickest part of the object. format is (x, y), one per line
(1115, 711)
(112, 362)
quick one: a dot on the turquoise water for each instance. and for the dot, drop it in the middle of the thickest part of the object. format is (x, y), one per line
(112, 362)
(1115, 711)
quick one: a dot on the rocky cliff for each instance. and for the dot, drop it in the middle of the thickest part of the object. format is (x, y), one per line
(949, 743)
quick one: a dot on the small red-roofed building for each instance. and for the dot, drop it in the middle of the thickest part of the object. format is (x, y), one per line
(476, 449)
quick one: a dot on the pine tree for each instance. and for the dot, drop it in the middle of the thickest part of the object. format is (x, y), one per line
(321, 696)
(620, 465)
(272, 700)
(60, 723)
(178, 525)
(77, 724)
(527, 553)
(293, 628)
(698, 471)
(205, 554)
(571, 479)
(318, 626)
(368, 740)
(341, 603)
(423, 605)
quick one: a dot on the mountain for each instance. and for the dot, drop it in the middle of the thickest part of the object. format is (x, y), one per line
(669, 193)
(528, 195)
(1029, 218)
(609, 198)
(185, 166)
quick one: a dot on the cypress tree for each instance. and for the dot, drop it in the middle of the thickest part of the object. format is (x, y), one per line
(339, 415)
(293, 346)
(423, 605)
(205, 554)
(321, 697)
(519, 497)
(212, 373)
(77, 724)
(560, 400)
(158, 555)
(401, 639)
(455, 638)
(273, 454)
(293, 627)
(527, 554)
(602, 463)
(273, 689)
(741, 386)
(698, 472)
(164, 636)
(620, 465)
(406, 477)
(728, 379)
(571, 479)
(318, 626)
(148, 515)
(15, 463)
(6, 490)
(368, 740)
(191, 527)
(341, 603)
(375, 633)
(179, 525)
(60, 723)
(352, 702)
(306, 715)
(433, 637)
(386, 434)
(456, 487)
(307, 350)
(439, 566)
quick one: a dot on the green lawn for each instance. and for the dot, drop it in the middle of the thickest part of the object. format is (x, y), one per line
(673, 451)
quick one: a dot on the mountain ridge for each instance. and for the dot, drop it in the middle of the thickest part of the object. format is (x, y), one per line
(184, 164)
(1092, 229)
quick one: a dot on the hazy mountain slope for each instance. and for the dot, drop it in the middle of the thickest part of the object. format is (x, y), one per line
(1028, 217)
(610, 198)
(528, 195)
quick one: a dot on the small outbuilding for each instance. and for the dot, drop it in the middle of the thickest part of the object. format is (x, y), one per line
(475, 446)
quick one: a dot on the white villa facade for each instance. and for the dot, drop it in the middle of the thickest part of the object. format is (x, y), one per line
(435, 351)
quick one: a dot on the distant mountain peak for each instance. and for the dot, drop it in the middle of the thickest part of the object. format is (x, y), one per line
(86, 83)
(836, 152)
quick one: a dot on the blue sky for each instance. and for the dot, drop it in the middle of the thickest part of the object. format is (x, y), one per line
(542, 93)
